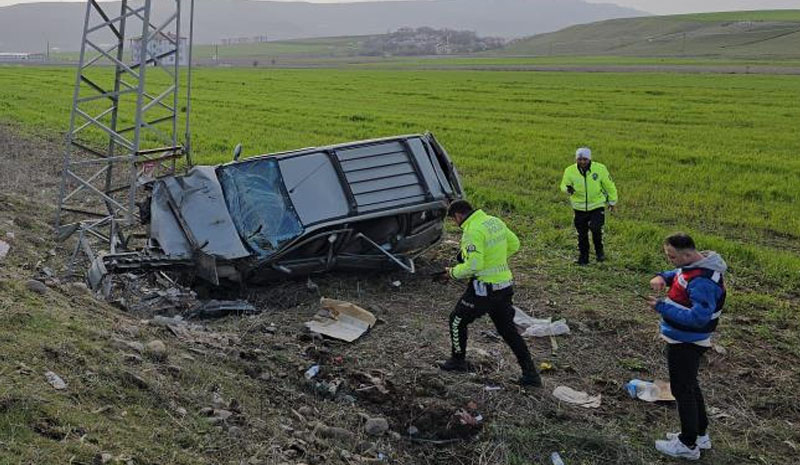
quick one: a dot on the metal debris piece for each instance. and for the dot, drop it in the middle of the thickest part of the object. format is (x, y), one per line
(220, 308)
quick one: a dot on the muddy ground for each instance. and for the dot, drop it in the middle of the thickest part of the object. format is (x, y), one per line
(483, 417)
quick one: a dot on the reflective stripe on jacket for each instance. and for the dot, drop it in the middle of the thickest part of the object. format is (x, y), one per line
(486, 244)
(593, 190)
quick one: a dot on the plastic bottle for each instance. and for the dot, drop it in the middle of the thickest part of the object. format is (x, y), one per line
(641, 389)
(312, 372)
(556, 459)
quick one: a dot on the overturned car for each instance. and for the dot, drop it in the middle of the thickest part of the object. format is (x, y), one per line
(370, 204)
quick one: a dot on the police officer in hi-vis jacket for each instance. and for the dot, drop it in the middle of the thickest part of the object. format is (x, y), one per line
(486, 245)
(590, 189)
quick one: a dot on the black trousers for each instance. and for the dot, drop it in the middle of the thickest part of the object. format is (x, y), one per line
(683, 361)
(593, 221)
(500, 309)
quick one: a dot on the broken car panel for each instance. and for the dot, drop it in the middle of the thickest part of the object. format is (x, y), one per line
(362, 205)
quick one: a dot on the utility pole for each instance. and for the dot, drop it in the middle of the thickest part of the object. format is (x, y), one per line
(123, 130)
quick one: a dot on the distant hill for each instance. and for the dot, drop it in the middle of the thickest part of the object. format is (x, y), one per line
(750, 34)
(29, 27)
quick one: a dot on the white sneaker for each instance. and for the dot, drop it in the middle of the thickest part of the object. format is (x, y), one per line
(703, 442)
(675, 448)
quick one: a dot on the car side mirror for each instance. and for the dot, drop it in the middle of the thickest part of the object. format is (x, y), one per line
(237, 151)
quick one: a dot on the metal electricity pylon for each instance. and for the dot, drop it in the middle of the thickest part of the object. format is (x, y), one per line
(127, 107)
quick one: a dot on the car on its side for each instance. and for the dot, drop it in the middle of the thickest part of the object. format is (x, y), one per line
(372, 204)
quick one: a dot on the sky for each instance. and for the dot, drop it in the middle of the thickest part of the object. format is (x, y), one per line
(652, 6)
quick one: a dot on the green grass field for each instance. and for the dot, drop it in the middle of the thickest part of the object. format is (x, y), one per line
(712, 155)
(757, 15)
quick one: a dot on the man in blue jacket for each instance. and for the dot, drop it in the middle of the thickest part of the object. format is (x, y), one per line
(689, 315)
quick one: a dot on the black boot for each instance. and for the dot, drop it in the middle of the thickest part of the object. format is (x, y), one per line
(530, 379)
(530, 375)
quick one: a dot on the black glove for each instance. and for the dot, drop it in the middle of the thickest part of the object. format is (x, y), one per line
(570, 190)
(440, 277)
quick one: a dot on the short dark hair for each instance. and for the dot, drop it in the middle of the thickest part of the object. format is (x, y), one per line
(459, 206)
(680, 241)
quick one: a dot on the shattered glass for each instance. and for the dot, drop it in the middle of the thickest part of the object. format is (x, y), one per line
(259, 205)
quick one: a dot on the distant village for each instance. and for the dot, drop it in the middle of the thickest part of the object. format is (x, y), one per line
(428, 41)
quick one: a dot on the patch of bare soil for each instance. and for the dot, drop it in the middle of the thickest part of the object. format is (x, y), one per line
(29, 166)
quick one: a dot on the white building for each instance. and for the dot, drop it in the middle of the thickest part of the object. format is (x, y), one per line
(15, 57)
(160, 46)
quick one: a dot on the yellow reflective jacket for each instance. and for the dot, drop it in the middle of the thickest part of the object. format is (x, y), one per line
(593, 190)
(486, 245)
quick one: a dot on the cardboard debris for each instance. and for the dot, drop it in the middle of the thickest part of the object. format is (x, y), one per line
(341, 320)
(574, 397)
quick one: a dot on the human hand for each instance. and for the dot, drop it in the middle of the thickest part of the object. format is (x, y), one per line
(652, 302)
(658, 284)
(570, 190)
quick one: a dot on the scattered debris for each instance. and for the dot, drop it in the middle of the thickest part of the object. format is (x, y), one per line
(719, 349)
(36, 286)
(556, 328)
(4, 248)
(341, 320)
(545, 366)
(524, 321)
(312, 372)
(657, 391)
(220, 308)
(555, 459)
(396, 283)
(571, 396)
(539, 327)
(492, 388)
(55, 380)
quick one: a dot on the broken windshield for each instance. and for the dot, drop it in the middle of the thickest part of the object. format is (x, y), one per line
(257, 202)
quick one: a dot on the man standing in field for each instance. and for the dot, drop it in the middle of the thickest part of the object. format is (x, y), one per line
(590, 188)
(689, 314)
(486, 245)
